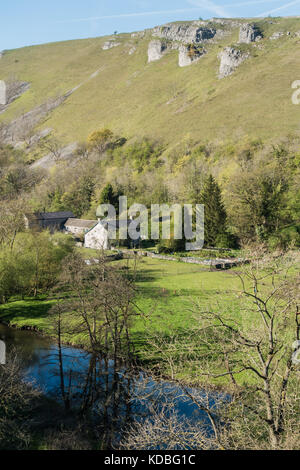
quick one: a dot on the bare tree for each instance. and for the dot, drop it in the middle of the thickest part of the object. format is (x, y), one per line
(103, 304)
(51, 145)
(82, 151)
(17, 401)
(248, 355)
(256, 347)
(11, 220)
(165, 430)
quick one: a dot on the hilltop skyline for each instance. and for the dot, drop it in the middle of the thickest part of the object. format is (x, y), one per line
(37, 23)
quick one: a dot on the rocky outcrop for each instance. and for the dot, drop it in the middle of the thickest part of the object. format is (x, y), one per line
(185, 37)
(48, 161)
(110, 44)
(186, 33)
(138, 34)
(277, 35)
(230, 58)
(249, 33)
(15, 131)
(10, 91)
(156, 50)
(132, 50)
(3, 99)
(189, 54)
(226, 22)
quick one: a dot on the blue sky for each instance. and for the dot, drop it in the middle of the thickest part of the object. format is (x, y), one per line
(26, 22)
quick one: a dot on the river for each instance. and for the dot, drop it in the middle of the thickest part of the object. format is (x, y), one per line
(79, 381)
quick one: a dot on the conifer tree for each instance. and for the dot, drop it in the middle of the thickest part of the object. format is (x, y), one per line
(109, 196)
(215, 214)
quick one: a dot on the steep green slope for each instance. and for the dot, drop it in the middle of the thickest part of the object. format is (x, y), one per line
(160, 99)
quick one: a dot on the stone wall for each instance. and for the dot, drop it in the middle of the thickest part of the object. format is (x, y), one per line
(217, 263)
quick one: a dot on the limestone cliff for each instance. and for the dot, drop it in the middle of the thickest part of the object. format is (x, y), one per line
(230, 58)
(186, 33)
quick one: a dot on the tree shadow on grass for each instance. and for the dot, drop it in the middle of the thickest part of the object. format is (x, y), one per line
(147, 275)
(25, 309)
(163, 294)
(144, 342)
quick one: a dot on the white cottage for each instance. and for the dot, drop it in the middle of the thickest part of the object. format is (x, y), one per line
(97, 237)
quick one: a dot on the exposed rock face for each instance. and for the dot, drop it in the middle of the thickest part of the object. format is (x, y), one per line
(3, 93)
(249, 33)
(156, 50)
(10, 91)
(138, 34)
(48, 161)
(109, 44)
(230, 59)
(132, 50)
(14, 132)
(186, 33)
(277, 35)
(226, 22)
(189, 54)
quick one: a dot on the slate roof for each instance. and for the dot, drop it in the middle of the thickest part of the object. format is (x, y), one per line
(54, 215)
(80, 223)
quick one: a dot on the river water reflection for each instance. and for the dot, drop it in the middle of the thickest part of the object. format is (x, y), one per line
(108, 392)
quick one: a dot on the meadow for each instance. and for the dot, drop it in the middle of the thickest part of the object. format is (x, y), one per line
(160, 100)
(166, 295)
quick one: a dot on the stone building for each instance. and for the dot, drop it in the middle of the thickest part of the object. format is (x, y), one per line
(79, 226)
(97, 237)
(52, 221)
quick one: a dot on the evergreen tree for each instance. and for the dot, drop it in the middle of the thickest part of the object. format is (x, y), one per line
(215, 214)
(109, 196)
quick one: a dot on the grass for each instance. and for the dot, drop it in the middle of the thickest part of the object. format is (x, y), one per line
(28, 313)
(166, 291)
(88, 253)
(131, 96)
(168, 294)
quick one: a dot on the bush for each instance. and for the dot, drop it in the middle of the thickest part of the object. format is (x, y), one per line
(287, 237)
(227, 240)
(34, 263)
(171, 246)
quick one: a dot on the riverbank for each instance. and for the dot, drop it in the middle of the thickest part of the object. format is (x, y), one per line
(166, 297)
(59, 379)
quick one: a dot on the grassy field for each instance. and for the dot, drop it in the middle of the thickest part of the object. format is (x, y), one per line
(168, 289)
(166, 292)
(171, 298)
(160, 99)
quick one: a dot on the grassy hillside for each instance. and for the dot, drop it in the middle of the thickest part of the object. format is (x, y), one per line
(160, 99)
